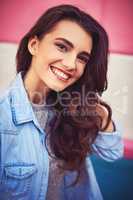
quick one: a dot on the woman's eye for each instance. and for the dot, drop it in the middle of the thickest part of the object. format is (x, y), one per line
(61, 47)
(83, 59)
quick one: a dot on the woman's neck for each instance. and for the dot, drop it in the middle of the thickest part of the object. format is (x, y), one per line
(35, 88)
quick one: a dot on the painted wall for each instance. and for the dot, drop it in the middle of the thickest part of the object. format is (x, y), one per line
(119, 94)
(116, 16)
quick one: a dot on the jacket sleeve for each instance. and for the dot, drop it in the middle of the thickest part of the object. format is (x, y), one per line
(109, 145)
(0, 159)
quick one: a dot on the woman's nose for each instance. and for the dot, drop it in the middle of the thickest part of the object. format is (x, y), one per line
(69, 62)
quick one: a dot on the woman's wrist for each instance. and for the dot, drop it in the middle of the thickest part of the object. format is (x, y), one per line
(110, 128)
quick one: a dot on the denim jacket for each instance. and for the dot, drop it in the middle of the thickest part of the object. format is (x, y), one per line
(24, 160)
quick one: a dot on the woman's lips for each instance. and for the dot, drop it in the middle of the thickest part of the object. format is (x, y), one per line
(59, 73)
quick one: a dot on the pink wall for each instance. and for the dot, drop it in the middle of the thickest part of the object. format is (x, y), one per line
(16, 17)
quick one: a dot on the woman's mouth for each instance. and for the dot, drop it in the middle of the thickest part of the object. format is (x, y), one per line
(59, 73)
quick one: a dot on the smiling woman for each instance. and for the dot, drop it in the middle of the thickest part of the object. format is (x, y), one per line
(52, 116)
(64, 61)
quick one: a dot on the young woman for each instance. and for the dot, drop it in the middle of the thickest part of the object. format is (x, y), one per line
(52, 117)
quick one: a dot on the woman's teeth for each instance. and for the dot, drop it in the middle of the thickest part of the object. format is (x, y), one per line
(59, 73)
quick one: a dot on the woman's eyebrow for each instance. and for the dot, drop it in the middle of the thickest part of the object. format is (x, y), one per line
(66, 41)
(85, 54)
(71, 45)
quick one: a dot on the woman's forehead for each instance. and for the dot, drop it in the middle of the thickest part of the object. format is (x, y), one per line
(73, 32)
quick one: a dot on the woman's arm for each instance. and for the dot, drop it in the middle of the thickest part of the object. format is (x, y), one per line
(109, 143)
(103, 112)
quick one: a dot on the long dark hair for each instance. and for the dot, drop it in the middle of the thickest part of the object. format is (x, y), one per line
(78, 124)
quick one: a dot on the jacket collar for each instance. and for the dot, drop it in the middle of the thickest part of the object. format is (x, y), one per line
(20, 105)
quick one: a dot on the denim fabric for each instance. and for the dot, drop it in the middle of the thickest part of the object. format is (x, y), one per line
(24, 160)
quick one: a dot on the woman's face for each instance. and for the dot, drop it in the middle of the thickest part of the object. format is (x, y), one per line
(60, 57)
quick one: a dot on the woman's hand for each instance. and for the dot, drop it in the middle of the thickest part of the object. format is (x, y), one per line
(103, 112)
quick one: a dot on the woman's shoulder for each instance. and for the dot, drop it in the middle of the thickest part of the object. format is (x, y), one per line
(4, 95)
(5, 109)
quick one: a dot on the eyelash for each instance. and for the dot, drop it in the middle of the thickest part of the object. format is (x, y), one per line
(61, 47)
(64, 48)
(83, 59)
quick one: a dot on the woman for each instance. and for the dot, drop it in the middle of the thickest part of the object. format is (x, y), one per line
(52, 116)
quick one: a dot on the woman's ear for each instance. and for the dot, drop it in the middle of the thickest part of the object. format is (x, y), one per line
(33, 45)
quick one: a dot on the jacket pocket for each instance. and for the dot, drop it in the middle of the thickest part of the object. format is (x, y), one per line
(17, 180)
